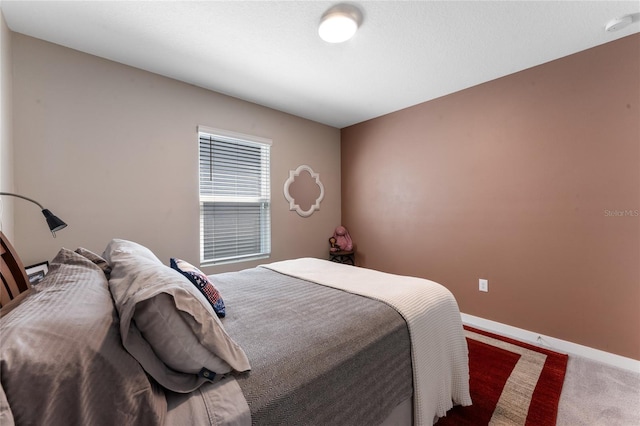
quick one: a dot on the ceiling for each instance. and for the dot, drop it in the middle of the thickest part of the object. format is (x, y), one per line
(269, 52)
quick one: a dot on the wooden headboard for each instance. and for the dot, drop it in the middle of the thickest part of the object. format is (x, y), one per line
(12, 272)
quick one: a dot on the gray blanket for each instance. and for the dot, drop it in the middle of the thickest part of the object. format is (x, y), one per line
(319, 356)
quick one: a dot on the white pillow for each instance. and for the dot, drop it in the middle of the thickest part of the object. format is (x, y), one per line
(166, 323)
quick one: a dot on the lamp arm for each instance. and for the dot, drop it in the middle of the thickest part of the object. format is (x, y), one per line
(54, 222)
(24, 198)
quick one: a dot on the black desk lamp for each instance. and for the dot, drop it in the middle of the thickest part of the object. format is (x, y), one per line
(54, 222)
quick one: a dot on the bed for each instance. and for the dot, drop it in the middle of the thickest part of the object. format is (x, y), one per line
(122, 338)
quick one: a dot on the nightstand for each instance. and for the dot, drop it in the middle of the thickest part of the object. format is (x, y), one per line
(346, 257)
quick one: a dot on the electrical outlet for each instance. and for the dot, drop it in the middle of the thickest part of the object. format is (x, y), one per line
(483, 285)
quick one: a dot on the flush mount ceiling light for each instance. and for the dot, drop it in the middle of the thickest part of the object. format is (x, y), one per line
(339, 23)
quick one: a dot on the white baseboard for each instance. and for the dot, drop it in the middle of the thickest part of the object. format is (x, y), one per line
(552, 343)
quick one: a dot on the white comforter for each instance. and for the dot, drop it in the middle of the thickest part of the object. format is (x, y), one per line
(439, 349)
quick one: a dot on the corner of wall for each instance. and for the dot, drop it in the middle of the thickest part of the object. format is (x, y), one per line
(6, 127)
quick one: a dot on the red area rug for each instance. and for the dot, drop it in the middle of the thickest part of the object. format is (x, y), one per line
(512, 383)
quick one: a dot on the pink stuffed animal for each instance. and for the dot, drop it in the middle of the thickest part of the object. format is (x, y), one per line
(343, 240)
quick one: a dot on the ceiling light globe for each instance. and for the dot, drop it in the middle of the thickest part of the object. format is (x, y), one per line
(337, 27)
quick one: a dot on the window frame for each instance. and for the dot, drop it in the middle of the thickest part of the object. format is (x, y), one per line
(263, 201)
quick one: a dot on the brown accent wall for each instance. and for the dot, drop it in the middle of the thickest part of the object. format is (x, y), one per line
(531, 181)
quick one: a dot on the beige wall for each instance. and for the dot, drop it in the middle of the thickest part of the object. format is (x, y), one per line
(6, 130)
(112, 150)
(511, 181)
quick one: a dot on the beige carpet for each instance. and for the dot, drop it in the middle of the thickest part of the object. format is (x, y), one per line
(596, 394)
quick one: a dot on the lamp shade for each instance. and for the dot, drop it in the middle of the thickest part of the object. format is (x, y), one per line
(54, 222)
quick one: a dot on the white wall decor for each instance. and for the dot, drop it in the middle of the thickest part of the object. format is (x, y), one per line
(301, 190)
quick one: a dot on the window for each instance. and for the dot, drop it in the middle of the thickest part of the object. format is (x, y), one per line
(235, 197)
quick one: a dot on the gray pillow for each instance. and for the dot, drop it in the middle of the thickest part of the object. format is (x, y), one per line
(166, 323)
(98, 260)
(62, 358)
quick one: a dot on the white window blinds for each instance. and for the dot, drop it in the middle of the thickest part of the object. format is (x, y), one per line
(235, 194)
